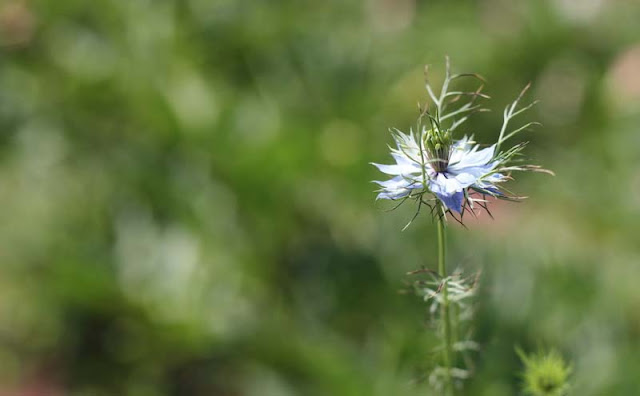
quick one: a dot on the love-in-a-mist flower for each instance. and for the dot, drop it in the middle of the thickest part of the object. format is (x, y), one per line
(432, 166)
(446, 168)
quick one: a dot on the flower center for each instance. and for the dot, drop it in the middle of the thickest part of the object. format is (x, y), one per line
(438, 148)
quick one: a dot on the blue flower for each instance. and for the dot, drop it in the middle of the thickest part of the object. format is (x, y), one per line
(447, 171)
(430, 166)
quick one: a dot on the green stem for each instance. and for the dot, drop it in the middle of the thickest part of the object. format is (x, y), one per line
(442, 271)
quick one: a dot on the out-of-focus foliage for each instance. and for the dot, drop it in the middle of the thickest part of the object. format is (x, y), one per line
(185, 206)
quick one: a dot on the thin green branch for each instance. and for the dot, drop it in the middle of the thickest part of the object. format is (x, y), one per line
(509, 113)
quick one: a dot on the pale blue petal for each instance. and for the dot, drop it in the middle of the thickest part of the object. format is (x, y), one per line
(453, 202)
(442, 184)
(466, 179)
(402, 159)
(475, 171)
(406, 142)
(393, 195)
(399, 182)
(459, 149)
(472, 158)
(398, 169)
(462, 145)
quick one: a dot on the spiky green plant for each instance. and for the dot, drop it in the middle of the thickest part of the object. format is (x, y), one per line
(545, 373)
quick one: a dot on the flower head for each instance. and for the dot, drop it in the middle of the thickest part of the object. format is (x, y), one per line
(432, 166)
(448, 170)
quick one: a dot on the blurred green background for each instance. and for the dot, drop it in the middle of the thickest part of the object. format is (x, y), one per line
(186, 206)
